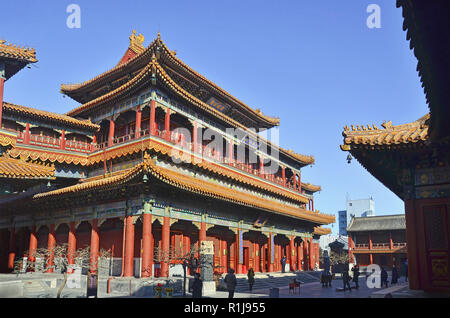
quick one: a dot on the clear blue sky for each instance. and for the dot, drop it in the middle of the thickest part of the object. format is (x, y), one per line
(314, 64)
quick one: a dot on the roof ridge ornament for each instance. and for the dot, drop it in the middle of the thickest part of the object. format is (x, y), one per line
(136, 41)
(386, 125)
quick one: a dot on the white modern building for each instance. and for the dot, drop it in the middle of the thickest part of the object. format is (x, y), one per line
(357, 208)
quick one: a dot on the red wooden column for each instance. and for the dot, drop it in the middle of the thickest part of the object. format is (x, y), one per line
(269, 253)
(63, 140)
(299, 256)
(283, 175)
(230, 150)
(238, 252)
(167, 124)
(350, 249)
(26, 136)
(295, 181)
(263, 258)
(391, 243)
(33, 245)
(165, 246)
(194, 137)
(147, 242)
(152, 125)
(261, 165)
(300, 181)
(12, 248)
(223, 253)
(2, 84)
(137, 130)
(370, 247)
(95, 243)
(311, 254)
(51, 243)
(129, 247)
(292, 254)
(317, 254)
(111, 132)
(72, 243)
(257, 256)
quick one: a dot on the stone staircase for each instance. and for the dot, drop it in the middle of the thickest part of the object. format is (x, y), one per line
(273, 280)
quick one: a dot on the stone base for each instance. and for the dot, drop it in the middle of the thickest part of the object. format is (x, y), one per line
(209, 288)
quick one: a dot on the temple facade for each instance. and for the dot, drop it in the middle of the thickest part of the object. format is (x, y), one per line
(156, 158)
(378, 240)
(413, 159)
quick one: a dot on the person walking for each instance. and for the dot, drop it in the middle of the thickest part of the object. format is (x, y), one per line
(231, 282)
(394, 278)
(405, 269)
(346, 279)
(197, 286)
(356, 274)
(384, 277)
(251, 278)
(283, 263)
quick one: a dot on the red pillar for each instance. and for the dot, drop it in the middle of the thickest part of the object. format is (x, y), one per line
(283, 175)
(111, 132)
(2, 84)
(152, 117)
(12, 248)
(230, 151)
(63, 140)
(72, 243)
(350, 249)
(223, 253)
(194, 137)
(147, 246)
(391, 243)
(238, 249)
(167, 124)
(95, 242)
(291, 252)
(295, 181)
(299, 256)
(33, 245)
(165, 246)
(257, 257)
(269, 254)
(300, 181)
(137, 131)
(51, 243)
(370, 242)
(129, 248)
(26, 137)
(311, 254)
(371, 258)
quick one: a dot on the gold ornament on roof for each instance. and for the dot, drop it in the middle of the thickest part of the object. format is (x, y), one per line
(136, 41)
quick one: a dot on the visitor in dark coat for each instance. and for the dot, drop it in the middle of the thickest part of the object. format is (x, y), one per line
(356, 274)
(405, 270)
(197, 286)
(283, 263)
(346, 280)
(384, 277)
(394, 278)
(251, 278)
(231, 281)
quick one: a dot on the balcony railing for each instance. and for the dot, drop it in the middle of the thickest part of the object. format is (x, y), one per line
(55, 143)
(379, 246)
(202, 150)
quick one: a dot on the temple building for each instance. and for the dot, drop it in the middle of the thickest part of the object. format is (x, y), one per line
(155, 158)
(413, 159)
(378, 240)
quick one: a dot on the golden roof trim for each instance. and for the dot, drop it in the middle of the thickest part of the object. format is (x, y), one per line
(321, 231)
(49, 115)
(20, 169)
(413, 132)
(311, 187)
(46, 155)
(195, 185)
(14, 51)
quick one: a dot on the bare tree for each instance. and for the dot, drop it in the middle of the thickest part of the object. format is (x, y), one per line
(58, 259)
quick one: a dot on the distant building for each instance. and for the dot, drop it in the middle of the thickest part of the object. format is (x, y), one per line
(325, 240)
(357, 208)
(377, 240)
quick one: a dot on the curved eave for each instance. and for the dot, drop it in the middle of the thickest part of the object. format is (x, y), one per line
(49, 116)
(145, 57)
(18, 169)
(193, 185)
(311, 187)
(271, 121)
(318, 230)
(167, 81)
